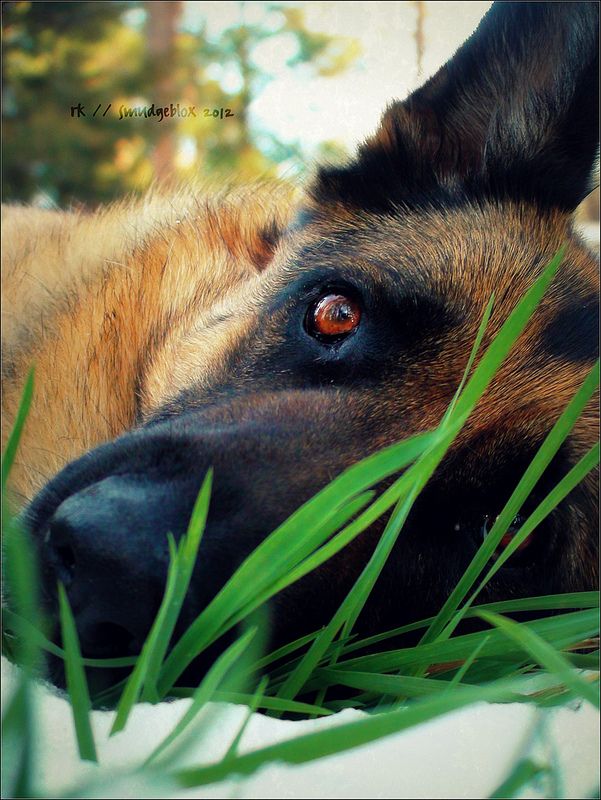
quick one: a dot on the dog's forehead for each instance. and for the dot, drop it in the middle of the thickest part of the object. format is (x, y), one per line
(475, 245)
(459, 255)
(457, 258)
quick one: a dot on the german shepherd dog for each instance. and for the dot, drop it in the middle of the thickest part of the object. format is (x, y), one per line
(280, 339)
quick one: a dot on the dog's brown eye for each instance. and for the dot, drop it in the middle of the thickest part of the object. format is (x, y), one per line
(333, 316)
(514, 528)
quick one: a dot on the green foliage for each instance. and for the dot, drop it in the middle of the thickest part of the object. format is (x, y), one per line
(58, 55)
(77, 685)
(536, 662)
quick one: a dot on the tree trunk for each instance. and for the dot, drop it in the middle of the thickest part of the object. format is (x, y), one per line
(420, 8)
(161, 36)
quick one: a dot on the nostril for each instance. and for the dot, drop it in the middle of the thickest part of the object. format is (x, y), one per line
(113, 576)
(65, 562)
(60, 551)
(107, 640)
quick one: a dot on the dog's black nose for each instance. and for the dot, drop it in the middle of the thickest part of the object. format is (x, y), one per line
(99, 546)
(102, 525)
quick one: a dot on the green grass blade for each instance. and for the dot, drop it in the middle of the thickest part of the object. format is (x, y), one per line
(524, 772)
(322, 554)
(275, 704)
(551, 602)
(206, 690)
(18, 752)
(545, 654)
(109, 697)
(345, 513)
(470, 363)
(20, 590)
(367, 580)
(588, 661)
(134, 685)
(353, 602)
(467, 664)
(77, 685)
(267, 703)
(20, 578)
(282, 652)
(325, 552)
(12, 445)
(501, 345)
(20, 573)
(186, 559)
(394, 685)
(566, 485)
(15, 622)
(254, 703)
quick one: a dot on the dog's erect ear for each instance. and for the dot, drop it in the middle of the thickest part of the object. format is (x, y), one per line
(513, 114)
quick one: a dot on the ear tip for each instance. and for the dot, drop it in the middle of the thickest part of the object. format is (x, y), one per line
(537, 11)
(512, 114)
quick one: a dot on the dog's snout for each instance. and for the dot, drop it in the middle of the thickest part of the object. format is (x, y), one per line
(103, 525)
(97, 546)
(58, 547)
(86, 538)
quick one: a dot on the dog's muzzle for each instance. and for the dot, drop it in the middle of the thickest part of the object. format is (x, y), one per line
(101, 526)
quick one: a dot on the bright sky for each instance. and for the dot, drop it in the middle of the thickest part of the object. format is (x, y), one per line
(297, 106)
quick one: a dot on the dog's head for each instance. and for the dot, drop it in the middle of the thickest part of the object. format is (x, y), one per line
(355, 336)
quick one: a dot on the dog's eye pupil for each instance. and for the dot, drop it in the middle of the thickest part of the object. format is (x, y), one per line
(333, 316)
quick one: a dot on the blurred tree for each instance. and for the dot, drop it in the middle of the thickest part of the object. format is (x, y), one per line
(59, 56)
(163, 16)
(56, 56)
(420, 15)
(243, 149)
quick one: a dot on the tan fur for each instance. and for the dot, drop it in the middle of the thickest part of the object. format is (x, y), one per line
(87, 297)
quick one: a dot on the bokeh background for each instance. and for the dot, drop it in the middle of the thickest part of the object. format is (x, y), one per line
(305, 81)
